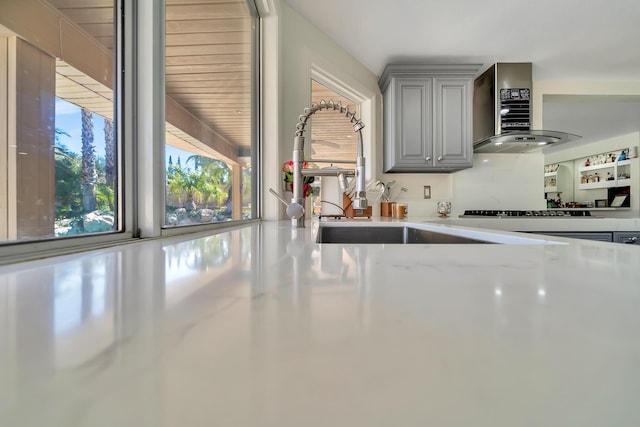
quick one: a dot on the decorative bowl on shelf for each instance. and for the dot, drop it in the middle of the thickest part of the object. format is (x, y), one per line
(443, 208)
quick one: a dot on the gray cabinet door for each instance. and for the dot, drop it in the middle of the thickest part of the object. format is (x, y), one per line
(452, 143)
(413, 117)
(587, 235)
(628, 237)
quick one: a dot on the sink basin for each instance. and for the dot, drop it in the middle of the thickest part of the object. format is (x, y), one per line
(401, 235)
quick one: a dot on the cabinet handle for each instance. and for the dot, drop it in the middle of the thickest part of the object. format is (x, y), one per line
(440, 158)
(428, 158)
(631, 240)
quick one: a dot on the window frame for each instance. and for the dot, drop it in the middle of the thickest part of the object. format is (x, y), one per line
(256, 165)
(366, 108)
(11, 252)
(139, 82)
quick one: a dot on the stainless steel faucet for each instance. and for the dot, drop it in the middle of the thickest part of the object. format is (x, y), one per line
(359, 200)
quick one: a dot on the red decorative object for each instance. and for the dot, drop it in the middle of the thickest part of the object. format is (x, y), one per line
(287, 168)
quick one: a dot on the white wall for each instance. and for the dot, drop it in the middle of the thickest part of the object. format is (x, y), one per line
(271, 109)
(496, 181)
(302, 50)
(441, 190)
(500, 181)
(542, 88)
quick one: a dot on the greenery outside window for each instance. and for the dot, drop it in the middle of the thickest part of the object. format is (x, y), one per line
(210, 112)
(74, 145)
(58, 142)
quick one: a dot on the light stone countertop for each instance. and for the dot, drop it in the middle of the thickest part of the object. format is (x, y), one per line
(261, 326)
(568, 224)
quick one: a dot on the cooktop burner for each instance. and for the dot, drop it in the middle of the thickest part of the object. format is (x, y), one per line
(525, 214)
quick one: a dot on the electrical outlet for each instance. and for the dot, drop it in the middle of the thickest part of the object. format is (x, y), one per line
(427, 191)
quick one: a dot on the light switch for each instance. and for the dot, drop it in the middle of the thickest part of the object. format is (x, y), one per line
(427, 191)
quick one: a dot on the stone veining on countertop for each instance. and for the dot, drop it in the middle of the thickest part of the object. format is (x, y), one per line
(256, 327)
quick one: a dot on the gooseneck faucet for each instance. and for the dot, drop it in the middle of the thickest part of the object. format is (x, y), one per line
(359, 200)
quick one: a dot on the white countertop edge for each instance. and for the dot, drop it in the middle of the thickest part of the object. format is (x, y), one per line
(574, 224)
(493, 236)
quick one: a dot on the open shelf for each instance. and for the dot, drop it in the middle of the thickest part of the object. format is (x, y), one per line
(611, 168)
(597, 167)
(601, 184)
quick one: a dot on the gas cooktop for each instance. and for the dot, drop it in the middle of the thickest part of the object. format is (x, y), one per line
(524, 214)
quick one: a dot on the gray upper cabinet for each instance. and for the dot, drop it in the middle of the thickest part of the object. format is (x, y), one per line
(427, 117)
(409, 122)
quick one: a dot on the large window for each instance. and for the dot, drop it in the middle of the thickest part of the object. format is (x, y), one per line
(59, 156)
(210, 113)
(333, 139)
(73, 146)
(333, 144)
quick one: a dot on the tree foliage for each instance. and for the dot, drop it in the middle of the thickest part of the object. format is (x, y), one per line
(208, 181)
(69, 183)
(185, 186)
(246, 184)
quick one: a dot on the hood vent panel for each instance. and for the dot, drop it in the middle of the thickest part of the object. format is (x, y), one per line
(502, 112)
(515, 110)
(521, 141)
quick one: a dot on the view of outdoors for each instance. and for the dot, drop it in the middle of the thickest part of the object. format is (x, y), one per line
(199, 189)
(333, 144)
(58, 147)
(59, 153)
(209, 63)
(85, 171)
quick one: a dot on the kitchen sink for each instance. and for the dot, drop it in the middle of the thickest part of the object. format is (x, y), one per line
(400, 235)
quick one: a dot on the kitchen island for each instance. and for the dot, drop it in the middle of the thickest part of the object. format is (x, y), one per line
(620, 230)
(261, 326)
(559, 224)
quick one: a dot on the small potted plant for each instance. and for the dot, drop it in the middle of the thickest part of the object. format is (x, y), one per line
(287, 168)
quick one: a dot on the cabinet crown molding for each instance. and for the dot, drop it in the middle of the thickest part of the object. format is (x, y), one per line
(408, 70)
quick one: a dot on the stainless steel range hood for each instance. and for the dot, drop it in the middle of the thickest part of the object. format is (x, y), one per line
(502, 112)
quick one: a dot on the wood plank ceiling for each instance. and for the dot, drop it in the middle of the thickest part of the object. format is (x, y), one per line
(208, 63)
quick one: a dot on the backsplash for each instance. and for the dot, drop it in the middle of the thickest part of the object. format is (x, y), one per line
(496, 181)
(414, 196)
(500, 181)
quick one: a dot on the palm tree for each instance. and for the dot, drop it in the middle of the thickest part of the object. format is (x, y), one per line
(219, 169)
(185, 182)
(216, 177)
(211, 189)
(89, 174)
(110, 158)
(105, 197)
